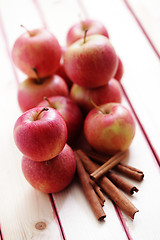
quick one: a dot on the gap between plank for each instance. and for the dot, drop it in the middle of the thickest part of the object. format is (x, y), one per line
(53, 204)
(118, 211)
(120, 216)
(57, 216)
(142, 28)
(18, 82)
(122, 220)
(156, 157)
(40, 13)
(143, 130)
(7, 48)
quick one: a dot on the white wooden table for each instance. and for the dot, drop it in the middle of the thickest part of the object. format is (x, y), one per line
(134, 28)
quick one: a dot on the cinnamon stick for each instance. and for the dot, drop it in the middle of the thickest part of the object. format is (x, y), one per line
(100, 200)
(129, 171)
(113, 161)
(108, 187)
(88, 190)
(98, 157)
(98, 191)
(122, 183)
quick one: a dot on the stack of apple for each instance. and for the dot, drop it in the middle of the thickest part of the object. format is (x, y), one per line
(48, 163)
(92, 70)
(37, 53)
(42, 133)
(92, 65)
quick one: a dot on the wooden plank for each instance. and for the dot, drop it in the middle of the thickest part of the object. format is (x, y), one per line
(59, 16)
(141, 65)
(71, 203)
(142, 157)
(148, 14)
(21, 207)
(81, 222)
(123, 30)
(15, 13)
(73, 207)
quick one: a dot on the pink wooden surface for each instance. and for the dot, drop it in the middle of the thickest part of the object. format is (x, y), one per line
(67, 214)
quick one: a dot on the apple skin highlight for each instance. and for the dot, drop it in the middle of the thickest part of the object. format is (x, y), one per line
(110, 132)
(43, 138)
(53, 175)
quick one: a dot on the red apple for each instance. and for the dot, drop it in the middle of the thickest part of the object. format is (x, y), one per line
(91, 62)
(38, 49)
(32, 91)
(120, 70)
(76, 32)
(40, 133)
(53, 175)
(61, 71)
(111, 130)
(110, 92)
(70, 112)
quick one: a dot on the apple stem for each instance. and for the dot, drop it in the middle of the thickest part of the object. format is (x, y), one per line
(83, 24)
(50, 104)
(29, 32)
(95, 105)
(85, 34)
(38, 80)
(43, 109)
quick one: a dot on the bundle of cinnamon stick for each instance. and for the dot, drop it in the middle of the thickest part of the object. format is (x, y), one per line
(96, 180)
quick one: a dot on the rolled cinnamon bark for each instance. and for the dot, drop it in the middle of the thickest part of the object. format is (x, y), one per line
(112, 162)
(108, 187)
(101, 202)
(88, 190)
(98, 157)
(129, 171)
(122, 183)
(98, 190)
